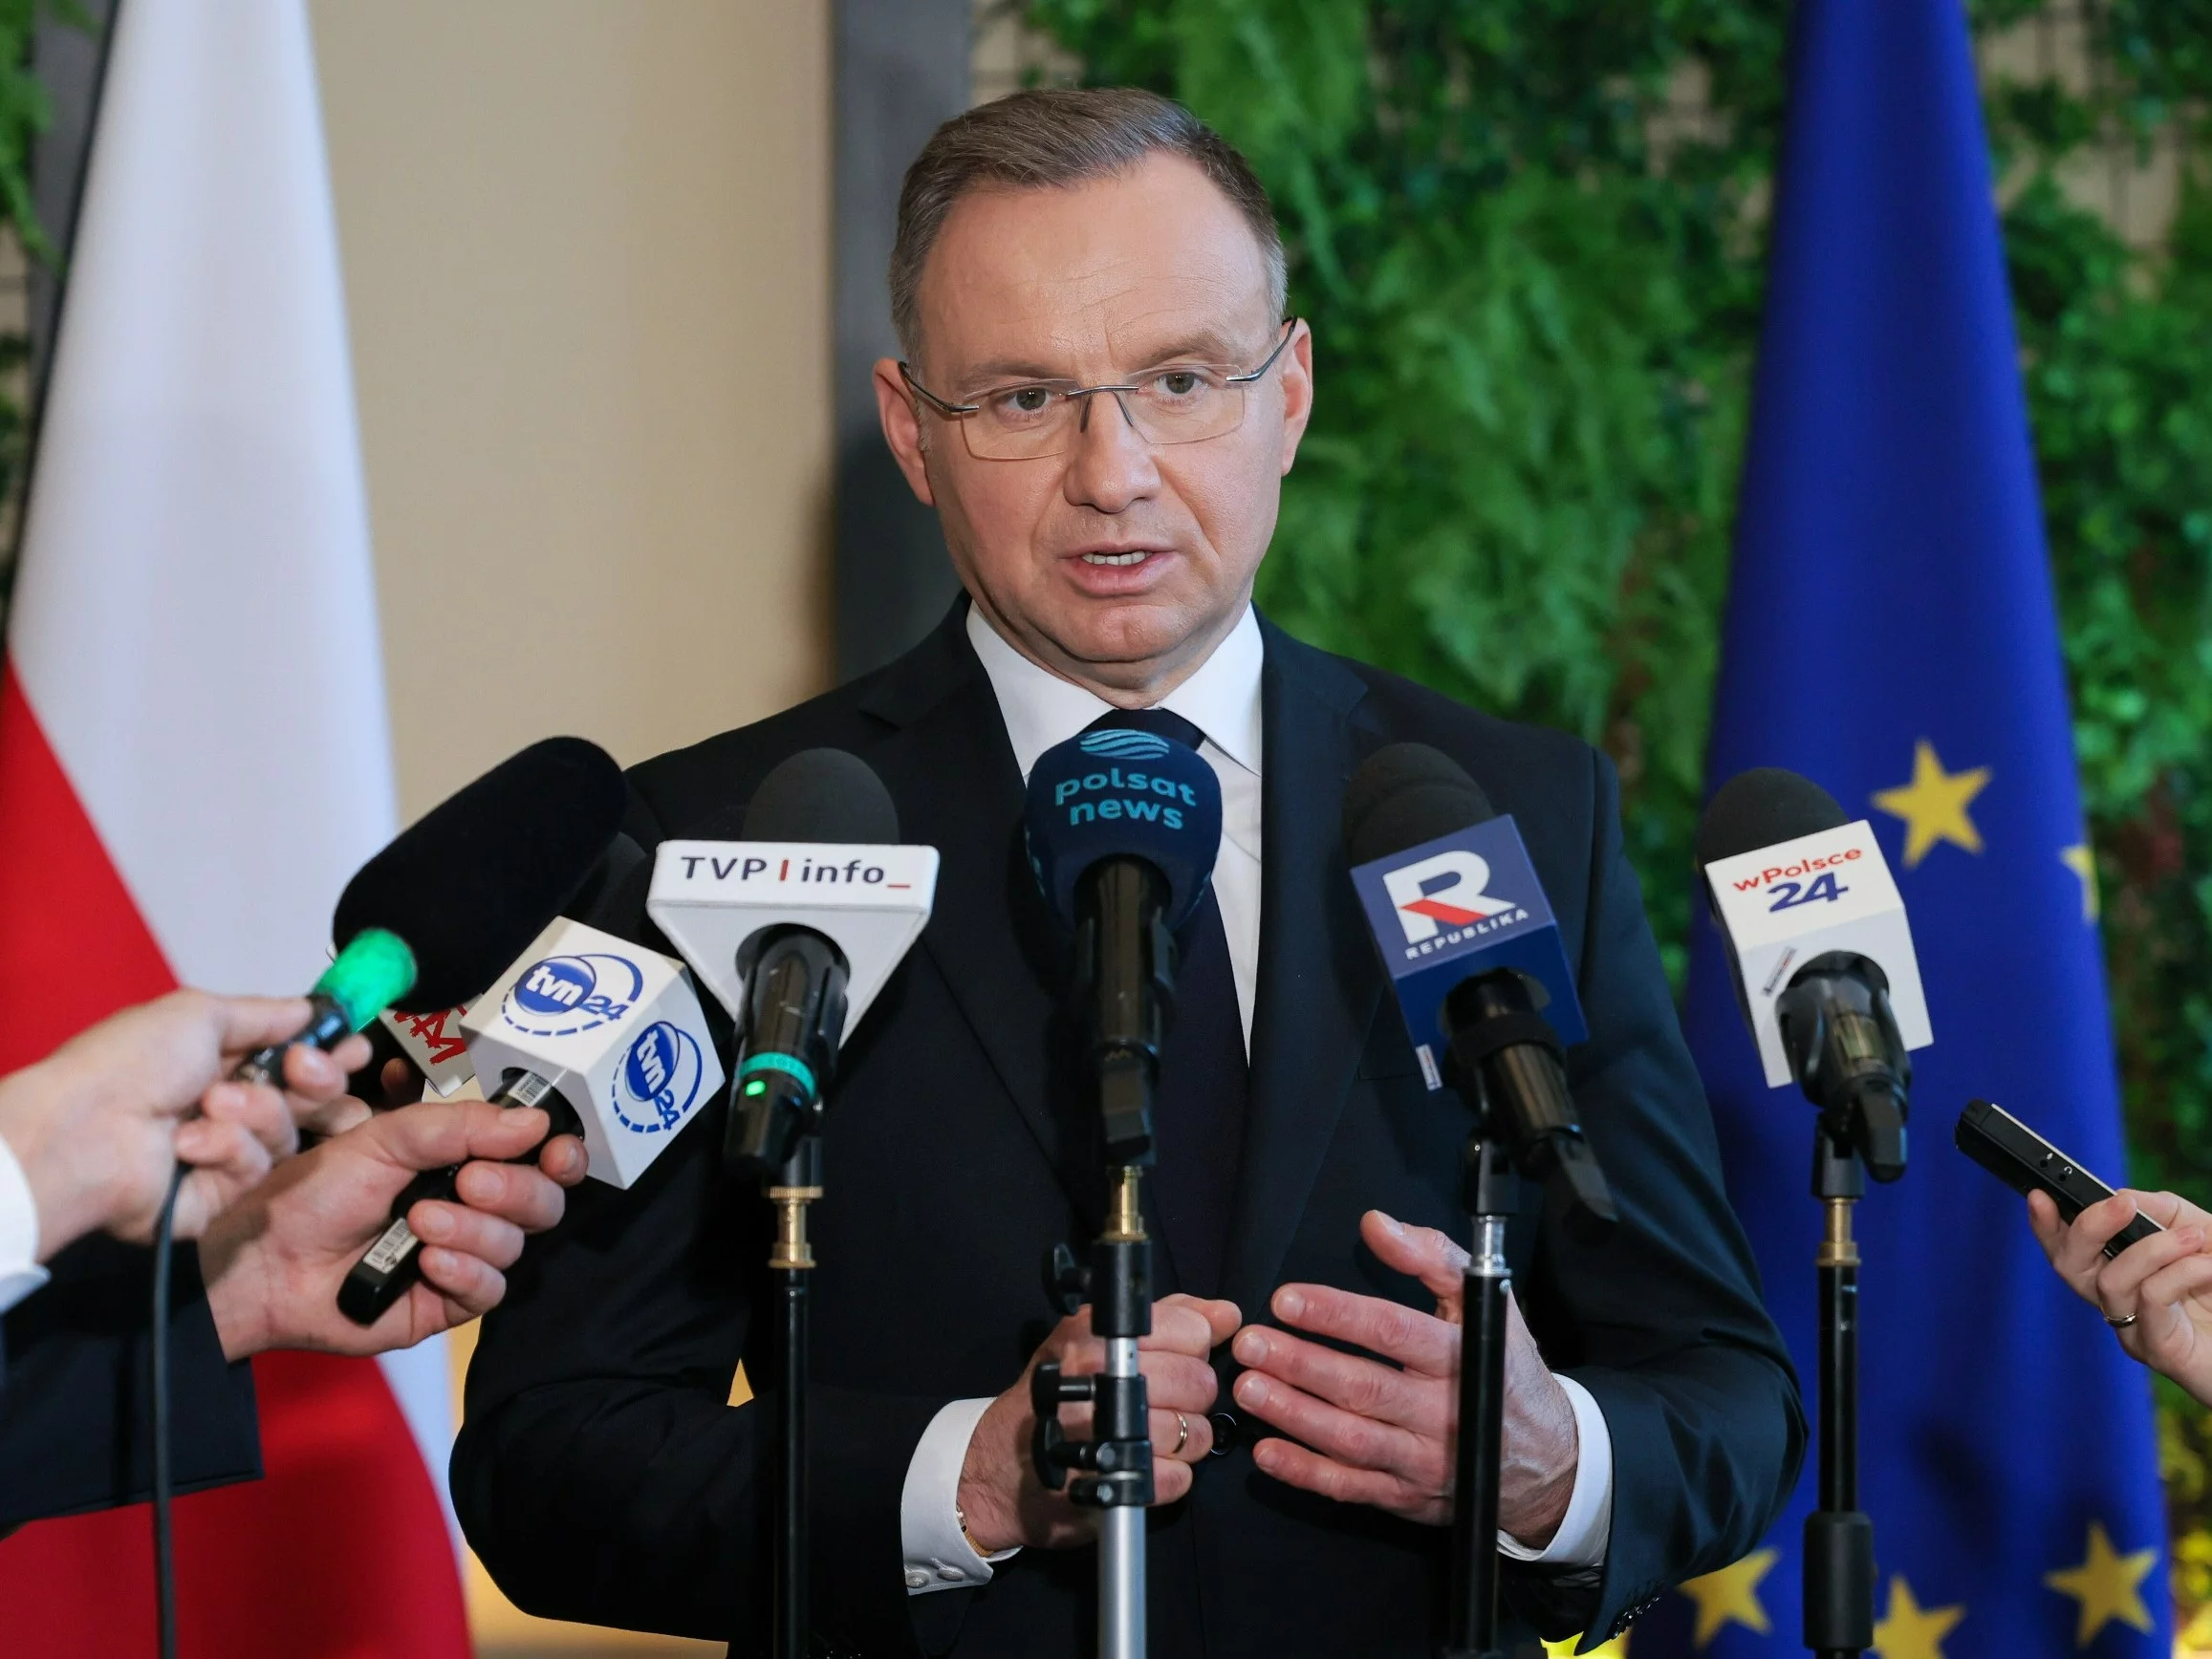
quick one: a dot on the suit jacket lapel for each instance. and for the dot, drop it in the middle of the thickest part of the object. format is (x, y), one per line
(951, 770)
(1319, 981)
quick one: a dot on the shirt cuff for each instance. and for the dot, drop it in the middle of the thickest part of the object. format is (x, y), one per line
(19, 1271)
(938, 1554)
(1587, 1527)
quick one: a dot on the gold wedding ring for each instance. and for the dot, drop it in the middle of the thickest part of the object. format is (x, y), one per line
(1181, 1434)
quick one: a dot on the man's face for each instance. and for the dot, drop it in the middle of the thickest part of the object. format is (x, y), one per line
(1092, 284)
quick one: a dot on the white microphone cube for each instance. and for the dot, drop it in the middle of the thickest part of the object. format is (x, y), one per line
(1781, 906)
(615, 1027)
(710, 897)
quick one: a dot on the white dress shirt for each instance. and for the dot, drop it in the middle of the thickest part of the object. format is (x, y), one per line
(19, 1271)
(1222, 698)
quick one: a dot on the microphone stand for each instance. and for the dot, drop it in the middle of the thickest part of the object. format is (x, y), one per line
(1839, 1577)
(1847, 1055)
(792, 1259)
(1507, 1066)
(795, 1016)
(1489, 1192)
(1130, 999)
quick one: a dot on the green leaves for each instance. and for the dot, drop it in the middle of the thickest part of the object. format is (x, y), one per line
(1533, 260)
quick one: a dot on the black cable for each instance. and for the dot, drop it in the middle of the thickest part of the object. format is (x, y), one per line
(158, 1333)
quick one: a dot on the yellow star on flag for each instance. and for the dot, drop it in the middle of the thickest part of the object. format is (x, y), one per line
(1910, 1630)
(1934, 804)
(2082, 861)
(2107, 1585)
(1617, 1648)
(1731, 1593)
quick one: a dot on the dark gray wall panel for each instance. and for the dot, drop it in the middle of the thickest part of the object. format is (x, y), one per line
(901, 68)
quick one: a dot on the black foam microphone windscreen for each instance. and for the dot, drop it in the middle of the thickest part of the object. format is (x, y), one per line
(822, 795)
(1404, 794)
(474, 880)
(1764, 807)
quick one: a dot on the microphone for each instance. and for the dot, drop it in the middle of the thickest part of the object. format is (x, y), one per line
(607, 1038)
(374, 970)
(1473, 953)
(1123, 827)
(474, 880)
(795, 926)
(614, 893)
(1821, 952)
(469, 885)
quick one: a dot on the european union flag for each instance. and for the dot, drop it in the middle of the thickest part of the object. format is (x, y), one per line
(1891, 635)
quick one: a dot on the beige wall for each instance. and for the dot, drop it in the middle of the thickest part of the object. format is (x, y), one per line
(587, 257)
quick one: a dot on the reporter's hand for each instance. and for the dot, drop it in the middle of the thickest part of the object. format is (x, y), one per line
(1000, 1496)
(2164, 1281)
(1384, 1432)
(96, 1124)
(272, 1262)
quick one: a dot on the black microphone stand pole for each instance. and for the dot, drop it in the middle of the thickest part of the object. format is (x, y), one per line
(1506, 1063)
(1489, 1192)
(797, 1186)
(1839, 1580)
(1845, 1050)
(795, 1016)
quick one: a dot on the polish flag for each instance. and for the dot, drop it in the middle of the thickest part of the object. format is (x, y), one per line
(194, 759)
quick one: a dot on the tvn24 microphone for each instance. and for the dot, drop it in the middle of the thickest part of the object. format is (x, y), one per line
(1472, 951)
(607, 1038)
(1821, 952)
(475, 880)
(795, 926)
(1123, 826)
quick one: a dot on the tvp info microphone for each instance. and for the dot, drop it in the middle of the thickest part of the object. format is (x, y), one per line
(795, 926)
(1472, 951)
(1821, 952)
(1123, 827)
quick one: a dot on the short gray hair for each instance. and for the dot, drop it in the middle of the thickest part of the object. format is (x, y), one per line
(1052, 137)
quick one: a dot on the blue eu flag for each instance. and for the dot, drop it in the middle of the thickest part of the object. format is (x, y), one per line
(1891, 635)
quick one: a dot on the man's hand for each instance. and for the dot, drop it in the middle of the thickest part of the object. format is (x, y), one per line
(1383, 1434)
(2165, 1280)
(272, 1263)
(1000, 1495)
(97, 1127)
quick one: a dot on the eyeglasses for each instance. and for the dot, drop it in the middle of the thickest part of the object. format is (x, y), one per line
(1173, 403)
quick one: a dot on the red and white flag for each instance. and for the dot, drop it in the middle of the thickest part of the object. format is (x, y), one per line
(194, 759)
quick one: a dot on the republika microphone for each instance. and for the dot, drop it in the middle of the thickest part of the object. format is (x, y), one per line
(1473, 952)
(795, 925)
(1821, 952)
(1123, 827)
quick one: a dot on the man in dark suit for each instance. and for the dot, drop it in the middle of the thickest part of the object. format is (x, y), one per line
(1100, 401)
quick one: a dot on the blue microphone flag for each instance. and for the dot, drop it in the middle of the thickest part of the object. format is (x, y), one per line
(1464, 904)
(1891, 635)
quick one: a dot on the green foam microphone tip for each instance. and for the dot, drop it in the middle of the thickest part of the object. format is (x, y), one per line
(373, 972)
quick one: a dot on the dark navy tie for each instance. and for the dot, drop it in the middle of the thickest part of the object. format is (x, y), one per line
(1199, 1113)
